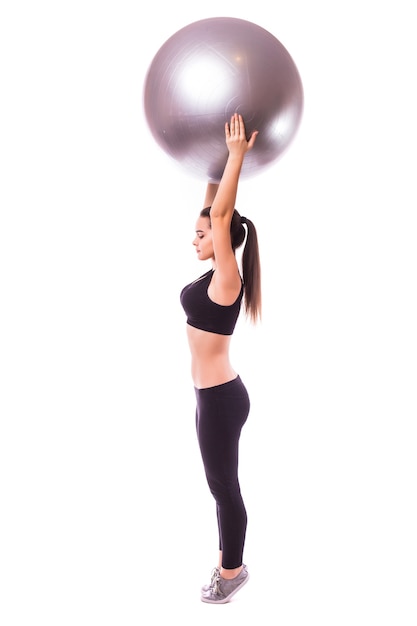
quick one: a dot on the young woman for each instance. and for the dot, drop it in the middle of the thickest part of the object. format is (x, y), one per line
(212, 304)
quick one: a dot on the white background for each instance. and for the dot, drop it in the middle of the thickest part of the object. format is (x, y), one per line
(106, 517)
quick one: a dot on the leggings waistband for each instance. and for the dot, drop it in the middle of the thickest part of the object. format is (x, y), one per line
(230, 383)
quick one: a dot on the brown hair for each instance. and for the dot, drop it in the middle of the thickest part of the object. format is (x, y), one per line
(251, 264)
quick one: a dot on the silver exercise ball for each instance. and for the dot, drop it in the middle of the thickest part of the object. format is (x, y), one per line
(209, 70)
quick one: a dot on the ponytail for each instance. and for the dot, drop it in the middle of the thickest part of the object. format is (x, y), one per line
(251, 264)
(251, 270)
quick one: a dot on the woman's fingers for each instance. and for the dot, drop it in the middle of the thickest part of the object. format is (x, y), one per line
(235, 129)
(236, 125)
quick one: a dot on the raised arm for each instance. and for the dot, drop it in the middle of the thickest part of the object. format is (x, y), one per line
(237, 144)
(211, 191)
(227, 278)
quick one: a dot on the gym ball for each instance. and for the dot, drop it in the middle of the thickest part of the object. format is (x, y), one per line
(209, 70)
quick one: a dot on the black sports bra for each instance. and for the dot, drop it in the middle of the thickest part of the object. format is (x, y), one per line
(205, 314)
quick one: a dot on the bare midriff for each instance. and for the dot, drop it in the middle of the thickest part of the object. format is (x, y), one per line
(210, 364)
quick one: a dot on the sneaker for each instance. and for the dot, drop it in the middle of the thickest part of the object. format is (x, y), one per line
(214, 573)
(222, 590)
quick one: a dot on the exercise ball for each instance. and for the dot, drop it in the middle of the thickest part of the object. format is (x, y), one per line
(209, 70)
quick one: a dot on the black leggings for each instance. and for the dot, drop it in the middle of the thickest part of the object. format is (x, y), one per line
(221, 412)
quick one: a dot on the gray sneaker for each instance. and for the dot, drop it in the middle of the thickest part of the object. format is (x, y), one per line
(222, 590)
(214, 573)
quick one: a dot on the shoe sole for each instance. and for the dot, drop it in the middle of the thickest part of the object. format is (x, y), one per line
(227, 598)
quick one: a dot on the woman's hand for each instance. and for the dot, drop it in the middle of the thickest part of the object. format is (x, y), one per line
(236, 141)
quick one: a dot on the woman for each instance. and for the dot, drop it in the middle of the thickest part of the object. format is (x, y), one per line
(212, 305)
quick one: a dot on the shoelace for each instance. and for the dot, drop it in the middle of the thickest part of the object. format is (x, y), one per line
(215, 582)
(214, 573)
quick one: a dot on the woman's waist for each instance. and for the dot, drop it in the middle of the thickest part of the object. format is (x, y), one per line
(210, 364)
(211, 372)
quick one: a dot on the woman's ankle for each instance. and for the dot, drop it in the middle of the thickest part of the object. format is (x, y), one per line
(229, 574)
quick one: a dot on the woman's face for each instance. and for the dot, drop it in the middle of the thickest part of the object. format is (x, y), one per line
(203, 241)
